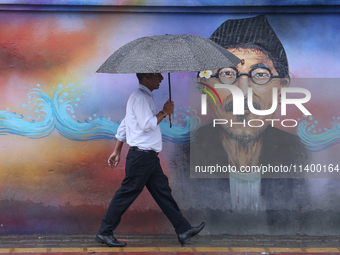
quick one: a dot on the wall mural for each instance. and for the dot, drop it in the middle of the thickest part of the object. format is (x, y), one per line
(58, 119)
(58, 113)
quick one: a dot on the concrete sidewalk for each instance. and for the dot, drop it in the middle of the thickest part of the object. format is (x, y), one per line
(168, 244)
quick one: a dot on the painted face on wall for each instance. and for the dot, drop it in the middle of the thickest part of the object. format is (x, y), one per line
(262, 78)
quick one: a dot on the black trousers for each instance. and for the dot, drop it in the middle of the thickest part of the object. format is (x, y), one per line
(143, 169)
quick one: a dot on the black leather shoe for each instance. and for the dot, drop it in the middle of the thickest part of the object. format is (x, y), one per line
(110, 241)
(185, 237)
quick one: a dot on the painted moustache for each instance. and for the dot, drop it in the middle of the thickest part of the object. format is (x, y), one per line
(229, 106)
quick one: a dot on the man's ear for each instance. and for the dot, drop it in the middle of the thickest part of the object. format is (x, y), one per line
(284, 84)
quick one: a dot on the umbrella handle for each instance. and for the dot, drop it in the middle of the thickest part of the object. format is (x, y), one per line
(169, 98)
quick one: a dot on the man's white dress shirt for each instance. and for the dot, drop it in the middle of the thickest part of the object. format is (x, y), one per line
(139, 127)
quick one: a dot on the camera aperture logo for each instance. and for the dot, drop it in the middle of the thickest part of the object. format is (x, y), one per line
(238, 104)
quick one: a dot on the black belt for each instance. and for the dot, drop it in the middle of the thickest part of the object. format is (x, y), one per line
(135, 148)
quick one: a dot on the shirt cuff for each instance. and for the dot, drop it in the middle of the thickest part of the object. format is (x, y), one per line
(154, 123)
(120, 138)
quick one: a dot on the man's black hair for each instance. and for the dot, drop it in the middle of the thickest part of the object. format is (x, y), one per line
(140, 76)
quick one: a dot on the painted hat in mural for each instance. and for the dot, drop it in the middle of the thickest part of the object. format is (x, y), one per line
(255, 31)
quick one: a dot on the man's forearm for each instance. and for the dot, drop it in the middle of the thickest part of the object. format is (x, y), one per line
(119, 146)
(160, 116)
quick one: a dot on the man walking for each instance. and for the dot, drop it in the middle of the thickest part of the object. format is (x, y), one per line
(140, 129)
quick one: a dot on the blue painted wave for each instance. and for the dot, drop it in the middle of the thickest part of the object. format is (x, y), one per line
(178, 133)
(316, 139)
(58, 113)
(11, 123)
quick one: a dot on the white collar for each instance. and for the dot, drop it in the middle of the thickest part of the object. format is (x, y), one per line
(147, 90)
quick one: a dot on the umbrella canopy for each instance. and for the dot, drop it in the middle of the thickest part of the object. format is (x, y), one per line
(168, 53)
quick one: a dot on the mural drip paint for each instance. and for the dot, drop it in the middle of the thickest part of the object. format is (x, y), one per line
(245, 192)
(59, 113)
(314, 142)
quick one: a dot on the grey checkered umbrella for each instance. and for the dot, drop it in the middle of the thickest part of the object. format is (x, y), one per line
(168, 53)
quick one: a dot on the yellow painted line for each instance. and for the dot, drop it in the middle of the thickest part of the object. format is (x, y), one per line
(65, 249)
(281, 249)
(170, 249)
(175, 249)
(213, 249)
(22, 250)
(141, 249)
(105, 249)
(248, 249)
(321, 250)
